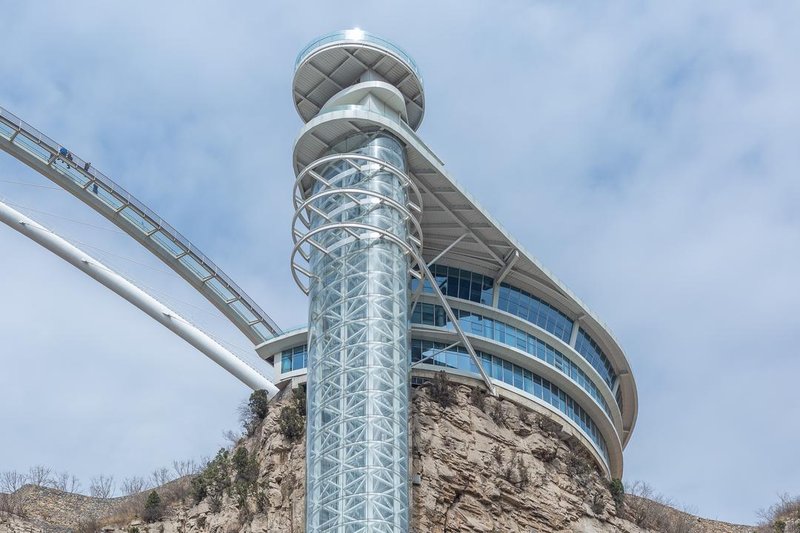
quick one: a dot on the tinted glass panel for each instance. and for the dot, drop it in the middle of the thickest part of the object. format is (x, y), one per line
(588, 348)
(534, 310)
(293, 359)
(463, 284)
(476, 324)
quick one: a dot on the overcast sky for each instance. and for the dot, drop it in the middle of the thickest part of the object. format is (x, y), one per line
(648, 155)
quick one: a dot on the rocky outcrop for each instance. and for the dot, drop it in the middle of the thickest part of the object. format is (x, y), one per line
(65, 509)
(488, 465)
(480, 465)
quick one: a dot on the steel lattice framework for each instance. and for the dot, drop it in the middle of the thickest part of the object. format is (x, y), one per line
(359, 221)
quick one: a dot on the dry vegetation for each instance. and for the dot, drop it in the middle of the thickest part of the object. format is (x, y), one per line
(148, 498)
(782, 517)
(232, 476)
(650, 510)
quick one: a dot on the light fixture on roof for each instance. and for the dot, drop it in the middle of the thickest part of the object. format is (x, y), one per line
(355, 34)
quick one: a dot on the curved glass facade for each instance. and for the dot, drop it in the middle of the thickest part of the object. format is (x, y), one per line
(588, 348)
(459, 283)
(434, 353)
(434, 315)
(534, 310)
(463, 284)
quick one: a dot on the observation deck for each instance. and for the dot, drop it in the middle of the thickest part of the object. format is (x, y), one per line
(337, 60)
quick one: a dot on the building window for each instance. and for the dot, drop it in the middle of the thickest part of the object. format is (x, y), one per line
(588, 348)
(293, 359)
(475, 324)
(534, 310)
(458, 283)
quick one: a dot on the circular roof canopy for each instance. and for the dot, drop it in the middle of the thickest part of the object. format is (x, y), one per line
(336, 61)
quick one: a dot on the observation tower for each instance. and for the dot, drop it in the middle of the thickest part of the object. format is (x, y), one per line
(407, 276)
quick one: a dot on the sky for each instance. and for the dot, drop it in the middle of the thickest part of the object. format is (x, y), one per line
(648, 153)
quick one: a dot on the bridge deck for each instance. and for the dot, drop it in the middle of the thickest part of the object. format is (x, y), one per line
(101, 193)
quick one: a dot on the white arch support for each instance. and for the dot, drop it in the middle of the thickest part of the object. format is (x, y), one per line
(141, 299)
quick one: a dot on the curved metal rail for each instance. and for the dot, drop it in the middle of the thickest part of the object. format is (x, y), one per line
(304, 204)
(98, 191)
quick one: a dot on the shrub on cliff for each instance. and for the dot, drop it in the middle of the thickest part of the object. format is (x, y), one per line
(88, 524)
(153, 509)
(477, 397)
(292, 420)
(290, 423)
(617, 490)
(245, 466)
(778, 517)
(300, 399)
(259, 404)
(652, 511)
(516, 473)
(578, 465)
(254, 411)
(213, 480)
(441, 390)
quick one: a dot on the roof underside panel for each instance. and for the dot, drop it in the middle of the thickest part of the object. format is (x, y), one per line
(325, 74)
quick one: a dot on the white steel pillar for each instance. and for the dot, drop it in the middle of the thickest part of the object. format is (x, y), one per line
(133, 294)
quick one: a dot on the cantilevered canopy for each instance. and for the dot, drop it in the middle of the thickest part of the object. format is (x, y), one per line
(453, 221)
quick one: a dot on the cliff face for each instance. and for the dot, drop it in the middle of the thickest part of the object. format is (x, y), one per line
(489, 466)
(483, 465)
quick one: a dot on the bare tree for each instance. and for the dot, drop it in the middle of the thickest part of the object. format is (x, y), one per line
(66, 482)
(40, 475)
(134, 485)
(185, 468)
(11, 502)
(232, 437)
(160, 476)
(786, 506)
(102, 487)
(11, 481)
(653, 511)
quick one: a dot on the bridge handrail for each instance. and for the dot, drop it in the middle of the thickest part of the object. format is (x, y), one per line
(93, 175)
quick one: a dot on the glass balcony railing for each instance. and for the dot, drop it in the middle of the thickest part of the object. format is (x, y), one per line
(358, 36)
